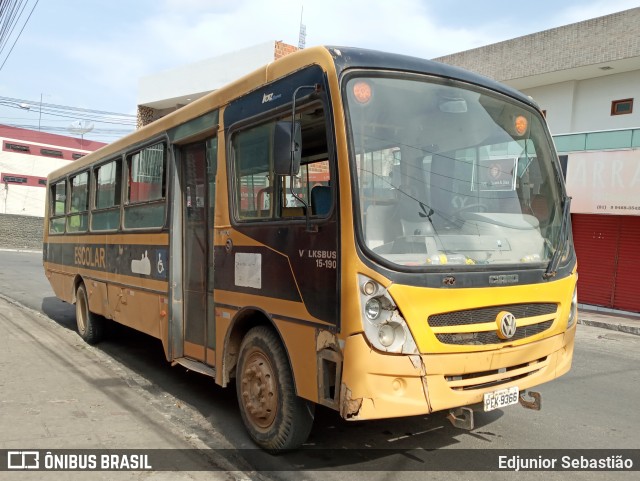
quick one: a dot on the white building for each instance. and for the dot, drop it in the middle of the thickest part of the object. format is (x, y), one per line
(164, 92)
(26, 158)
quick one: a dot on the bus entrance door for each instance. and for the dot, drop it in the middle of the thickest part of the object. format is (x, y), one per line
(198, 171)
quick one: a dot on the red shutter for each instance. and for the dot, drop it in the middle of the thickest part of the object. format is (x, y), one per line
(596, 240)
(627, 293)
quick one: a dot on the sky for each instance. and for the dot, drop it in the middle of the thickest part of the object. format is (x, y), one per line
(91, 54)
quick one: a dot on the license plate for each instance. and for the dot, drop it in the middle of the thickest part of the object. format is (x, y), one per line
(501, 398)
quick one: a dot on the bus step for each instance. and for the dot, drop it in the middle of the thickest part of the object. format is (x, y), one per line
(196, 366)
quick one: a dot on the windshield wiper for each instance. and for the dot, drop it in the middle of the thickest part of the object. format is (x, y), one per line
(564, 234)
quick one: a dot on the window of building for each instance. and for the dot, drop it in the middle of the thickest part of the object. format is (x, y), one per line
(16, 147)
(24, 180)
(13, 179)
(51, 153)
(622, 107)
(31, 149)
(146, 188)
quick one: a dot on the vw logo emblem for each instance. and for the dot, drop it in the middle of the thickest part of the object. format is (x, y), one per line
(506, 325)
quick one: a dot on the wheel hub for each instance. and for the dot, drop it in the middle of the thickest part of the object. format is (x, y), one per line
(259, 393)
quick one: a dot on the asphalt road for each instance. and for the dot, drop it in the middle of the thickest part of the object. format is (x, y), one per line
(594, 406)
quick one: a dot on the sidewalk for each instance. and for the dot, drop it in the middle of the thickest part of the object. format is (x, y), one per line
(58, 393)
(612, 321)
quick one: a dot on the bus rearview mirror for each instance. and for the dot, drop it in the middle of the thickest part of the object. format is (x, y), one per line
(287, 148)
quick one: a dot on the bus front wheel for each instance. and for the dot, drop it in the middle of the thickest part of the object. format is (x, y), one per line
(90, 325)
(276, 418)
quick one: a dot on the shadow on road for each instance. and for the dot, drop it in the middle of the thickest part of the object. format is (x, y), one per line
(59, 311)
(403, 444)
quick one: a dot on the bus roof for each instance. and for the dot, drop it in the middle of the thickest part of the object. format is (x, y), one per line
(350, 57)
(337, 59)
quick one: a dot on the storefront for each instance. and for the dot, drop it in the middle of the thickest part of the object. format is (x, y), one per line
(605, 187)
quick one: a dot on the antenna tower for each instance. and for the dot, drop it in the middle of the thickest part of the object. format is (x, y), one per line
(302, 38)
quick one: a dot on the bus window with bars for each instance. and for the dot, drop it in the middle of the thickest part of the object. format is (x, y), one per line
(108, 181)
(146, 190)
(58, 205)
(77, 221)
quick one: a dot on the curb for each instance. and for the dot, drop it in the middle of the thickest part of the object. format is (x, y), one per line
(30, 251)
(635, 330)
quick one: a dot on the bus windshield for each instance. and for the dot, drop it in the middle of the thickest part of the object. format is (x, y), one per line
(449, 173)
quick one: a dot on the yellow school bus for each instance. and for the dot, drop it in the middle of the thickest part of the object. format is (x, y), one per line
(380, 234)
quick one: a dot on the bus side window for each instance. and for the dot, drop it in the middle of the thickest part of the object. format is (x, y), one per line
(77, 220)
(108, 182)
(313, 183)
(262, 195)
(146, 188)
(58, 207)
(253, 169)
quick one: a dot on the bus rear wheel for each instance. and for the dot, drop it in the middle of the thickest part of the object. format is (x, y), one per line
(90, 325)
(276, 418)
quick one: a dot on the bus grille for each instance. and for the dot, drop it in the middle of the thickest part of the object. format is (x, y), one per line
(496, 377)
(524, 313)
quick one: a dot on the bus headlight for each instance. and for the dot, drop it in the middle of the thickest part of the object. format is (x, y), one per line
(372, 309)
(384, 326)
(390, 334)
(573, 311)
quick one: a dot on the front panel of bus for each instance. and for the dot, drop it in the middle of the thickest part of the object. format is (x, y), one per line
(466, 272)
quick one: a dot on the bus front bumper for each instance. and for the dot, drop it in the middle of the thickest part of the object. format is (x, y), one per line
(376, 385)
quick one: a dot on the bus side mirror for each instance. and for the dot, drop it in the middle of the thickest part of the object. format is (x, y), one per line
(287, 148)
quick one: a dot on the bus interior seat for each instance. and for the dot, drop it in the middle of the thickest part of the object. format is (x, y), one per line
(321, 200)
(377, 229)
(293, 212)
(412, 217)
(540, 208)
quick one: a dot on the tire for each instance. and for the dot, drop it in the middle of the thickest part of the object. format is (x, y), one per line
(90, 325)
(275, 417)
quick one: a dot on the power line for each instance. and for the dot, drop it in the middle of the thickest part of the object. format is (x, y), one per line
(20, 103)
(97, 134)
(69, 112)
(82, 116)
(34, 103)
(7, 21)
(110, 132)
(6, 28)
